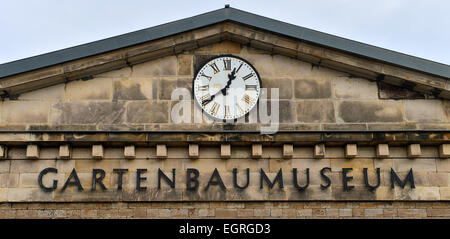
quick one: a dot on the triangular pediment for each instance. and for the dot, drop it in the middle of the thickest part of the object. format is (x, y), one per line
(225, 25)
(138, 96)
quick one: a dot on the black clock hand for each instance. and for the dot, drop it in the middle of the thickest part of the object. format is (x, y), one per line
(231, 77)
(211, 98)
(205, 102)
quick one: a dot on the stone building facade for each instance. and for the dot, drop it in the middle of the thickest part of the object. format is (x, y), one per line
(92, 136)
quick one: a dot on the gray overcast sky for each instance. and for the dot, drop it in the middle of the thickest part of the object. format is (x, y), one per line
(33, 27)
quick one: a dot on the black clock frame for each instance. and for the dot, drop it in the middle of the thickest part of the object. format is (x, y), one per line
(219, 56)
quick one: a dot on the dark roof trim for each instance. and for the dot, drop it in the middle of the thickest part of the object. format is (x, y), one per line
(217, 16)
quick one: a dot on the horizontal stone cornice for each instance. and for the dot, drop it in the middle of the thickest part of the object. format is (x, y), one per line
(178, 138)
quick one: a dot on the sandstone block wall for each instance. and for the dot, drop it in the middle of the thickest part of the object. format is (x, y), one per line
(138, 98)
(244, 210)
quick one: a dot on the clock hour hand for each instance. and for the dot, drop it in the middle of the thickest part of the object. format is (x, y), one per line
(211, 98)
(231, 77)
(206, 101)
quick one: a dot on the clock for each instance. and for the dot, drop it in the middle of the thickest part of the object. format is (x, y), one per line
(226, 87)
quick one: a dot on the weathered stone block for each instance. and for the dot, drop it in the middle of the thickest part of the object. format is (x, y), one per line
(3, 152)
(288, 150)
(161, 151)
(438, 212)
(276, 66)
(438, 179)
(133, 89)
(332, 212)
(165, 66)
(25, 112)
(87, 113)
(83, 90)
(390, 90)
(442, 165)
(428, 193)
(129, 152)
(148, 112)
(315, 112)
(411, 213)
(226, 213)
(444, 150)
(30, 166)
(193, 151)
(414, 150)
(304, 212)
(206, 212)
(418, 165)
(28, 195)
(345, 212)
(64, 151)
(33, 151)
(444, 193)
(47, 93)
(168, 85)
(275, 212)
(345, 88)
(370, 111)
(373, 212)
(357, 193)
(351, 150)
(286, 111)
(225, 151)
(200, 60)
(312, 89)
(245, 213)
(357, 164)
(256, 151)
(4, 166)
(86, 166)
(184, 64)
(319, 151)
(224, 47)
(284, 87)
(97, 151)
(382, 150)
(29, 180)
(424, 110)
(261, 212)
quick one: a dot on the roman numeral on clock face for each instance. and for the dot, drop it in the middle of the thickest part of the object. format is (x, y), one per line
(214, 67)
(247, 76)
(205, 99)
(208, 77)
(247, 99)
(215, 108)
(241, 111)
(250, 87)
(227, 111)
(227, 65)
(203, 88)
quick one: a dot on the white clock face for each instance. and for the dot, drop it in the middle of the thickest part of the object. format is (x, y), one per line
(227, 87)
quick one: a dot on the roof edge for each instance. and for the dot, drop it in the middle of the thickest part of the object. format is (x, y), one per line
(218, 16)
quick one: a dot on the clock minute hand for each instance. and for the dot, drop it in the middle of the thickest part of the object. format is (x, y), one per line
(205, 102)
(211, 98)
(231, 77)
